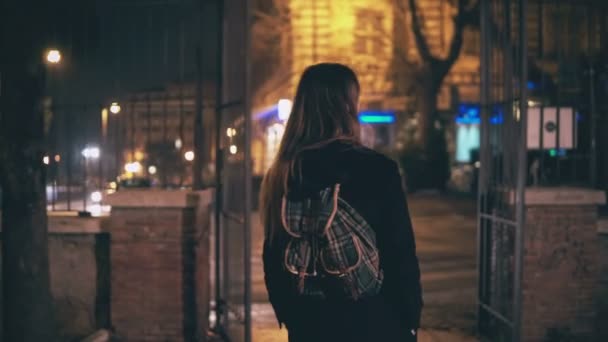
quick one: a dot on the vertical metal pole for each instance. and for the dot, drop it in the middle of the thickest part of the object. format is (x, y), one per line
(148, 129)
(248, 165)
(181, 98)
(117, 145)
(521, 174)
(218, 163)
(197, 166)
(481, 179)
(102, 146)
(84, 185)
(592, 112)
(133, 131)
(164, 167)
(68, 157)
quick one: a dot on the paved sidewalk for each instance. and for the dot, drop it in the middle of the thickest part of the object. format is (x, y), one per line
(265, 329)
(261, 334)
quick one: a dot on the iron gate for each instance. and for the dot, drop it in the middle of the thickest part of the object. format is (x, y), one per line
(503, 167)
(233, 169)
(541, 123)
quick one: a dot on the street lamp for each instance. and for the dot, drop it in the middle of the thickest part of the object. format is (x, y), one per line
(115, 108)
(89, 152)
(189, 155)
(53, 56)
(233, 149)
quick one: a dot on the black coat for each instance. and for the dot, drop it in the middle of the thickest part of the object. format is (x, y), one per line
(370, 183)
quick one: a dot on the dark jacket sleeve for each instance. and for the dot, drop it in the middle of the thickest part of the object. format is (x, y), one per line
(397, 247)
(276, 279)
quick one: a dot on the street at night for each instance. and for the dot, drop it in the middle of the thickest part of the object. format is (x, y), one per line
(149, 148)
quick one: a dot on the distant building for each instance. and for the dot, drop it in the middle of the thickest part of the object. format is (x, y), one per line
(371, 36)
(156, 129)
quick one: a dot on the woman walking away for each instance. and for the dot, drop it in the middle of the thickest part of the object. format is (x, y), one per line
(339, 253)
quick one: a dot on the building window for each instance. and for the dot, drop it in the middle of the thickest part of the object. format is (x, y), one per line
(368, 32)
(471, 42)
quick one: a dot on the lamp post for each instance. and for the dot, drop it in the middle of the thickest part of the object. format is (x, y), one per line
(53, 56)
(87, 153)
(114, 109)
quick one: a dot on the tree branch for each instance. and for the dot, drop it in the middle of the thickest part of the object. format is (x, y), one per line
(465, 17)
(421, 43)
(459, 24)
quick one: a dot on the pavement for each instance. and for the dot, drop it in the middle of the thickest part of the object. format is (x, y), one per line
(445, 229)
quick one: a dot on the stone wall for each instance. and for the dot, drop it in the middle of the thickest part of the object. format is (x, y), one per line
(561, 271)
(160, 265)
(80, 275)
(602, 296)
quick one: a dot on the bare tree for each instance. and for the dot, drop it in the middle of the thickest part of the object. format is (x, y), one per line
(24, 35)
(427, 74)
(27, 302)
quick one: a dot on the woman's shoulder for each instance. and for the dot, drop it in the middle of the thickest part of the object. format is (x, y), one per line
(369, 161)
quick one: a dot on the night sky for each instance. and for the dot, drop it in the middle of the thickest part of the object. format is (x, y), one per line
(129, 45)
(113, 48)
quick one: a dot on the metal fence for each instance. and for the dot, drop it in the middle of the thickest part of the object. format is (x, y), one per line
(542, 74)
(503, 167)
(566, 88)
(234, 169)
(122, 101)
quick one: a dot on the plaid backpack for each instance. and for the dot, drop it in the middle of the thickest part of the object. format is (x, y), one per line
(331, 251)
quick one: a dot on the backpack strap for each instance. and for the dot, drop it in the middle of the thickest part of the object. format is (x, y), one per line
(336, 195)
(284, 218)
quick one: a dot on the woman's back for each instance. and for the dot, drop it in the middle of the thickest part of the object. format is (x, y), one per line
(370, 183)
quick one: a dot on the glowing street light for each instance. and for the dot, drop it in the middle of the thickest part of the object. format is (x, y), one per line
(178, 143)
(231, 132)
(152, 169)
(57, 158)
(189, 155)
(96, 196)
(233, 149)
(91, 153)
(284, 109)
(53, 56)
(115, 108)
(46, 160)
(133, 167)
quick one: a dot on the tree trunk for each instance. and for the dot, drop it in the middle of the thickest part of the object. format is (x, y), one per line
(25, 267)
(27, 302)
(433, 163)
(427, 111)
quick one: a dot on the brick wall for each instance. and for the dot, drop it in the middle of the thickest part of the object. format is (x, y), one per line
(79, 267)
(152, 273)
(561, 272)
(602, 296)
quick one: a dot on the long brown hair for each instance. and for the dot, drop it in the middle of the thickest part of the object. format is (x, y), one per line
(324, 110)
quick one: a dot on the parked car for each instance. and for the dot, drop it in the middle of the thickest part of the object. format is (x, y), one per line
(133, 183)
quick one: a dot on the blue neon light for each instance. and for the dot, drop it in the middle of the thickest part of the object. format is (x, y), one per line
(469, 114)
(376, 117)
(266, 112)
(531, 85)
